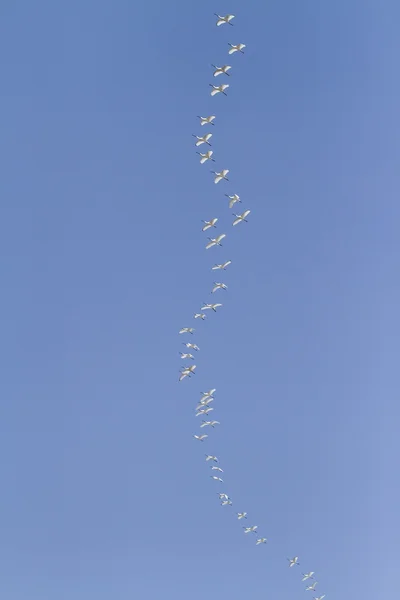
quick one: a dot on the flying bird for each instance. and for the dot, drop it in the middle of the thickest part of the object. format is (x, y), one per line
(200, 316)
(211, 307)
(204, 403)
(192, 346)
(215, 241)
(217, 469)
(185, 355)
(209, 394)
(293, 561)
(226, 502)
(222, 20)
(261, 541)
(320, 597)
(187, 372)
(242, 515)
(219, 286)
(250, 529)
(210, 457)
(216, 478)
(222, 267)
(205, 156)
(209, 224)
(202, 140)
(219, 89)
(201, 438)
(240, 218)
(221, 175)
(204, 411)
(233, 199)
(236, 48)
(311, 588)
(206, 120)
(210, 423)
(308, 576)
(187, 330)
(221, 70)
(223, 496)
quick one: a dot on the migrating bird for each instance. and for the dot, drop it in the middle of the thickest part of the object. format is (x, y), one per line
(216, 478)
(250, 529)
(209, 394)
(242, 515)
(187, 330)
(215, 241)
(201, 438)
(223, 496)
(211, 307)
(187, 372)
(185, 355)
(209, 224)
(221, 70)
(217, 469)
(240, 218)
(320, 597)
(204, 411)
(206, 120)
(293, 561)
(236, 48)
(206, 156)
(222, 20)
(311, 588)
(219, 286)
(226, 502)
(219, 89)
(210, 423)
(192, 346)
(200, 316)
(210, 457)
(261, 541)
(308, 576)
(221, 267)
(202, 140)
(221, 175)
(205, 403)
(233, 199)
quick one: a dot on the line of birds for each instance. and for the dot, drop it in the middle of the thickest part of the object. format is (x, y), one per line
(203, 408)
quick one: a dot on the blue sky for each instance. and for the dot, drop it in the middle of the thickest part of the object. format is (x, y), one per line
(104, 492)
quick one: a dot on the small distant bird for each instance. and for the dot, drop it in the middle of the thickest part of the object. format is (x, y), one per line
(240, 218)
(311, 588)
(236, 48)
(209, 224)
(250, 529)
(221, 175)
(222, 267)
(204, 403)
(219, 89)
(261, 541)
(192, 346)
(215, 241)
(226, 503)
(293, 561)
(219, 286)
(187, 372)
(185, 355)
(320, 597)
(201, 438)
(206, 156)
(211, 307)
(209, 423)
(308, 576)
(221, 70)
(216, 478)
(217, 469)
(209, 394)
(187, 330)
(200, 316)
(204, 411)
(242, 515)
(211, 457)
(223, 496)
(222, 20)
(233, 199)
(206, 120)
(203, 140)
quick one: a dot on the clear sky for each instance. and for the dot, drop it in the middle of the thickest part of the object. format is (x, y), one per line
(105, 494)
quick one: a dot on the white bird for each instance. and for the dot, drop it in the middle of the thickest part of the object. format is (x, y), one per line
(202, 140)
(320, 597)
(221, 175)
(226, 19)
(222, 267)
(223, 496)
(219, 89)
(236, 48)
(242, 515)
(209, 224)
(216, 478)
(201, 437)
(187, 372)
(219, 286)
(308, 576)
(240, 218)
(206, 120)
(210, 423)
(250, 529)
(187, 330)
(217, 469)
(192, 346)
(261, 541)
(204, 411)
(211, 457)
(211, 307)
(293, 561)
(311, 588)
(206, 156)
(200, 316)
(233, 199)
(215, 241)
(185, 355)
(226, 502)
(204, 403)
(221, 70)
(209, 394)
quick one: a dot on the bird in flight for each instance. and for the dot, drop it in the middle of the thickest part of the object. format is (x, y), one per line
(206, 120)
(261, 541)
(219, 89)
(242, 515)
(222, 267)
(222, 20)
(221, 70)
(211, 307)
(187, 372)
(204, 411)
(226, 502)
(185, 355)
(308, 576)
(209, 224)
(210, 423)
(311, 588)
(210, 457)
(219, 286)
(221, 175)
(293, 561)
(250, 529)
(187, 330)
(201, 438)
(233, 199)
(236, 48)
(205, 156)
(201, 316)
(192, 346)
(240, 218)
(209, 394)
(203, 140)
(217, 469)
(215, 241)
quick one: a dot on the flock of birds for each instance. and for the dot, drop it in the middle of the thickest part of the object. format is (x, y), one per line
(203, 408)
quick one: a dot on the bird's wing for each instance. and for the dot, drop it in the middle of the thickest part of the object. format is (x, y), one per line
(203, 159)
(208, 136)
(214, 91)
(199, 142)
(221, 237)
(210, 245)
(225, 86)
(236, 221)
(218, 179)
(231, 203)
(246, 213)
(206, 227)
(232, 50)
(225, 172)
